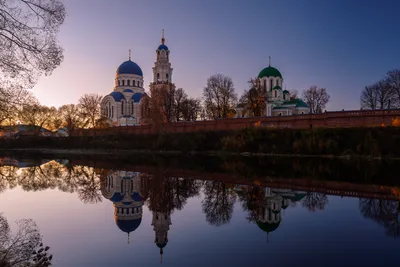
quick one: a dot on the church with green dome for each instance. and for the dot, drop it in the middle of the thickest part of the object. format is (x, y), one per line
(278, 102)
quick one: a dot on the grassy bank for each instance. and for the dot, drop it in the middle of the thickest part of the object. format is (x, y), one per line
(373, 142)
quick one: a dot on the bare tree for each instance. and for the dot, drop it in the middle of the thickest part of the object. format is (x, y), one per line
(180, 99)
(219, 96)
(393, 79)
(294, 94)
(218, 202)
(23, 248)
(190, 109)
(315, 201)
(369, 98)
(29, 48)
(377, 96)
(89, 105)
(316, 98)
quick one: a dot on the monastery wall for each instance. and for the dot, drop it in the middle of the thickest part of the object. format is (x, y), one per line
(336, 119)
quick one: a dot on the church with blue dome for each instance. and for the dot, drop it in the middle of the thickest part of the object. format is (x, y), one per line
(126, 190)
(123, 105)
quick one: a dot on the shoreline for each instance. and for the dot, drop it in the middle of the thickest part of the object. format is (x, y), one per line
(124, 152)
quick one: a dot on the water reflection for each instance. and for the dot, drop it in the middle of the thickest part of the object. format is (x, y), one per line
(131, 192)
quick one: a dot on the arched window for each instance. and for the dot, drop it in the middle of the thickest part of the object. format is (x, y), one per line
(122, 107)
(133, 83)
(119, 83)
(276, 93)
(271, 84)
(112, 112)
(132, 107)
(123, 82)
(129, 82)
(265, 85)
(158, 76)
(166, 76)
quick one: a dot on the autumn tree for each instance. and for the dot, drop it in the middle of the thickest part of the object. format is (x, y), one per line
(254, 99)
(37, 115)
(316, 98)
(12, 102)
(89, 106)
(71, 117)
(219, 96)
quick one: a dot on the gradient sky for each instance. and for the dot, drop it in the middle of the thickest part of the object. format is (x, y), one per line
(339, 45)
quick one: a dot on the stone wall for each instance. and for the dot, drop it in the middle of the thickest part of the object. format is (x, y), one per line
(355, 118)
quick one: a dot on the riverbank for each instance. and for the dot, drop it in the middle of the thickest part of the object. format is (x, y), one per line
(369, 143)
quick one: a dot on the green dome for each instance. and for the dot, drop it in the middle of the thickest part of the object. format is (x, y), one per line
(286, 92)
(278, 87)
(268, 227)
(269, 72)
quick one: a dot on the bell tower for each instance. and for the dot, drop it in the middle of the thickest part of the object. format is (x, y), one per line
(162, 71)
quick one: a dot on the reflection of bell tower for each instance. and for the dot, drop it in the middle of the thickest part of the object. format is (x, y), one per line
(161, 222)
(124, 190)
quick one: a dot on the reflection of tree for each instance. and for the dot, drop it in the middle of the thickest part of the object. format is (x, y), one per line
(81, 179)
(218, 202)
(384, 212)
(169, 193)
(314, 201)
(253, 201)
(25, 247)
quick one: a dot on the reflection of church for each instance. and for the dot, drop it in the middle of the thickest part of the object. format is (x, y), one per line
(269, 203)
(126, 191)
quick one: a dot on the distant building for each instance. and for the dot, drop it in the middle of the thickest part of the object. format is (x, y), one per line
(21, 130)
(278, 101)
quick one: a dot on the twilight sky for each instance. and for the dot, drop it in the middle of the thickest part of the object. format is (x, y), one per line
(341, 45)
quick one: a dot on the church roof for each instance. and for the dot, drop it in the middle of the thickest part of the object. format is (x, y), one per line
(129, 67)
(162, 47)
(118, 96)
(128, 226)
(136, 97)
(286, 92)
(296, 102)
(269, 72)
(268, 227)
(278, 87)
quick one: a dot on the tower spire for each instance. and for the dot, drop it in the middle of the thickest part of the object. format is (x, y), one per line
(162, 38)
(161, 253)
(270, 61)
(129, 240)
(129, 54)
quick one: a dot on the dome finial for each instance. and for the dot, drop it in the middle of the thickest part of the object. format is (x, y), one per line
(270, 61)
(129, 54)
(162, 39)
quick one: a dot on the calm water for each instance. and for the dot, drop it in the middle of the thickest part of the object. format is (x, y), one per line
(94, 216)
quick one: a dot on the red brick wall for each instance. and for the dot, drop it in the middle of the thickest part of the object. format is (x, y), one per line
(355, 118)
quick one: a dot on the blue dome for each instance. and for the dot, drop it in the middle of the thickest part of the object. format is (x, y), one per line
(136, 97)
(117, 197)
(128, 226)
(162, 47)
(136, 196)
(162, 245)
(118, 96)
(129, 67)
(128, 91)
